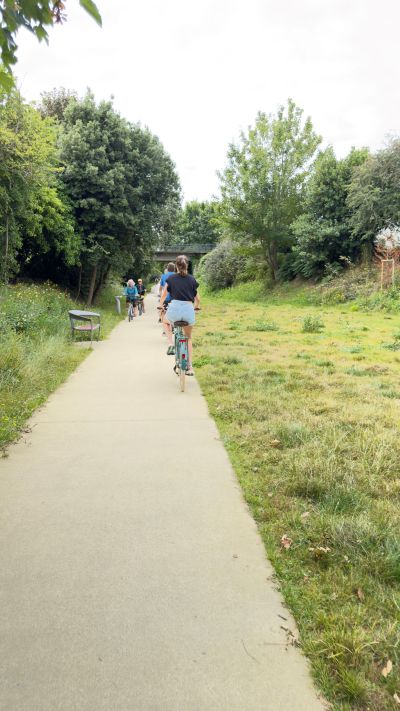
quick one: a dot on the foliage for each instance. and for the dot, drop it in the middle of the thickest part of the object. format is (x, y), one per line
(28, 158)
(119, 181)
(323, 236)
(53, 103)
(312, 324)
(197, 223)
(316, 450)
(221, 267)
(263, 184)
(374, 195)
(35, 16)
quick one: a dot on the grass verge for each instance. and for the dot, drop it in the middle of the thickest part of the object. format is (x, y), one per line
(310, 420)
(36, 350)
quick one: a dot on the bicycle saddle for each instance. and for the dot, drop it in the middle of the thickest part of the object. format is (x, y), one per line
(181, 323)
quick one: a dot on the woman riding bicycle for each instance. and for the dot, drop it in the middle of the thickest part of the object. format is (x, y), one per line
(182, 288)
(131, 294)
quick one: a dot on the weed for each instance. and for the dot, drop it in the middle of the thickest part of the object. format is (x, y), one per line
(312, 324)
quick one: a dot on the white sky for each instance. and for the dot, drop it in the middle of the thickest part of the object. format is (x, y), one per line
(197, 71)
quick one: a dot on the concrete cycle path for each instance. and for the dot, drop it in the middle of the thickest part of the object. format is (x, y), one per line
(132, 575)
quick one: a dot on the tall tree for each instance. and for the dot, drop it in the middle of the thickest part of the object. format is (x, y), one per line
(119, 180)
(323, 235)
(374, 194)
(36, 16)
(263, 184)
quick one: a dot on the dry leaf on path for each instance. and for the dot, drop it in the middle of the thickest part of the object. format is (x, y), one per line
(387, 668)
(286, 542)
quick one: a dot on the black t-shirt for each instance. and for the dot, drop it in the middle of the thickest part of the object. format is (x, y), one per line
(182, 288)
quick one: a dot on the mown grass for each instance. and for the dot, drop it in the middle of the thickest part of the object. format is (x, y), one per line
(36, 349)
(311, 423)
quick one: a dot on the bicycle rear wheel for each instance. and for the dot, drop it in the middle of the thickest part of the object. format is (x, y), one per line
(182, 379)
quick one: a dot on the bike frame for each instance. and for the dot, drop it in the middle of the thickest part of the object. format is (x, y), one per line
(181, 349)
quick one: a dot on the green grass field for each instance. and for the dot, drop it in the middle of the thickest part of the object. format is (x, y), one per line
(36, 349)
(307, 401)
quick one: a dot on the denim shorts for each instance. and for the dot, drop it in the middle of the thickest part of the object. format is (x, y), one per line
(180, 311)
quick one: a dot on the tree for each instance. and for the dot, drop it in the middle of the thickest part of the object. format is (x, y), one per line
(119, 181)
(263, 184)
(27, 162)
(53, 103)
(197, 223)
(323, 236)
(374, 194)
(35, 16)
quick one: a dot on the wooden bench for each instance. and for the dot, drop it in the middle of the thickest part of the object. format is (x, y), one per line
(85, 322)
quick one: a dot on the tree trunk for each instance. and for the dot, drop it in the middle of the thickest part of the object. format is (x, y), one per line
(92, 285)
(103, 278)
(6, 251)
(78, 291)
(272, 260)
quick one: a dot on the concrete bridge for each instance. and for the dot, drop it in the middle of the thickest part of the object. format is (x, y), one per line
(193, 251)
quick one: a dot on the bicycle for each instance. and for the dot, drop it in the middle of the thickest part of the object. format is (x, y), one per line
(131, 310)
(181, 351)
(140, 305)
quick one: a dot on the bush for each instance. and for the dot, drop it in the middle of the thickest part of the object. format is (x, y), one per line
(221, 268)
(312, 324)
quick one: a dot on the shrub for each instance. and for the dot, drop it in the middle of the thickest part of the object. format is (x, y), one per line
(220, 268)
(312, 324)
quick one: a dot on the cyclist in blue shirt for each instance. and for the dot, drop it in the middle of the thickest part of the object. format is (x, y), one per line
(164, 277)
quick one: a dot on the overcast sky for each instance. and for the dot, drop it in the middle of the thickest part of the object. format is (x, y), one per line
(196, 72)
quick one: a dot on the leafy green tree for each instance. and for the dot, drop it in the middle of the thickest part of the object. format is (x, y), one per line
(374, 193)
(263, 184)
(27, 162)
(35, 16)
(323, 236)
(119, 181)
(197, 223)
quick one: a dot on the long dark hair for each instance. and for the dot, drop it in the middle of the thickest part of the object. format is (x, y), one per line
(182, 264)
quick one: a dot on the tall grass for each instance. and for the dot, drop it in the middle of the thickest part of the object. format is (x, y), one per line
(36, 350)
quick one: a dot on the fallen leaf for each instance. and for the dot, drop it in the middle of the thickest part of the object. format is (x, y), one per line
(387, 668)
(275, 443)
(396, 698)
(255, 469)
(360, 594)
(320, 551)
(270, 495)
(305, 514)
(286, 542)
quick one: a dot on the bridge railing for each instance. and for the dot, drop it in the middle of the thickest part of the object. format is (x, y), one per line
(185, 249)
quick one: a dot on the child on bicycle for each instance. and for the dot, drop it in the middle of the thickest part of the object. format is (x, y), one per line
(141, 291)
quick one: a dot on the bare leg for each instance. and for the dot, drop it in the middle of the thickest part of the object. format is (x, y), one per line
(168, 331)
(187, 330)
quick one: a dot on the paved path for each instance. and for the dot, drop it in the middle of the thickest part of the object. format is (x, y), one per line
(132, 575)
